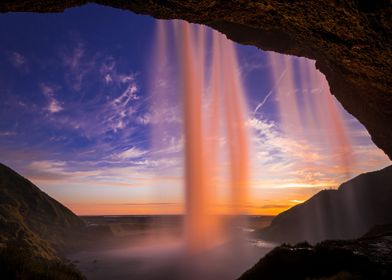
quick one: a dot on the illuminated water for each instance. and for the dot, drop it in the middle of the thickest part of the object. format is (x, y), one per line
(213, 109)
(315, 110)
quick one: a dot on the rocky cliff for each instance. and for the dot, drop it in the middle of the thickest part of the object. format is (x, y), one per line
(369, 257)
(345, 213)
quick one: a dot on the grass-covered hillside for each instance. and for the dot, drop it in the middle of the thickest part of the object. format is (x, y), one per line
(32, 220)
(34, 229)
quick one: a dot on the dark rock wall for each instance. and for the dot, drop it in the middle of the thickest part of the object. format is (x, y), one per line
(369, 257)
(350, 40)
(32, 220)
(346, 213)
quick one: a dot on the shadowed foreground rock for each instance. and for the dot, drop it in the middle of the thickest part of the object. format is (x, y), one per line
(367, 258)
(350, 40)
(32, 220)
(345, 213)
(34, 230)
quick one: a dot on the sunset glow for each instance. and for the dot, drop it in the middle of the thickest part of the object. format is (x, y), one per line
(98, 121)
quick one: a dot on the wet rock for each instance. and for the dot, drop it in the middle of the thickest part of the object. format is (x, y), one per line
(369, 257)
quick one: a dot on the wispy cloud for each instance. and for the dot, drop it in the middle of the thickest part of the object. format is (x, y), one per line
(96, 112)
(131, 153)
(7, 133)
(19, 61)
(251, 63)
(281, 162)
(163, 115)
(296, 201)
(77, 65)
(49, 166)
(110, 74)
(53, 173)
(54, 105)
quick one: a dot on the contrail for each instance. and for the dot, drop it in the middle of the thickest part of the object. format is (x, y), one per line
(261, 104)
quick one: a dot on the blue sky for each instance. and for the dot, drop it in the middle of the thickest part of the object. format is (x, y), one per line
(75, 118)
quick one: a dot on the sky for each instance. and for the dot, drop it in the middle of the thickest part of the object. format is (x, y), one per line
(76, 118)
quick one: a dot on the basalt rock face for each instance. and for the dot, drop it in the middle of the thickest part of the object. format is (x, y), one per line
(350, 40)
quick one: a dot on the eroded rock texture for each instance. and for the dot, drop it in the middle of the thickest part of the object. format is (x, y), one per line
(369, 257)
(350, 40)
